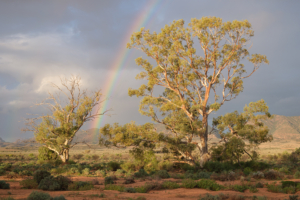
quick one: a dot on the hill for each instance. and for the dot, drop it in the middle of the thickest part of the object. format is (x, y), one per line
(284, 127)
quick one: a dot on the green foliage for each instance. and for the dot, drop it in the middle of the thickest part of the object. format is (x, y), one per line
(242, 132)
(113, 166)
(29, 184)
(40, 175)
(189, 183)
(247, 171)
(61, 197)
(119, 188)
(86, 171)
(297, 174)
(36, 195)
(162, 174)
(240, 188)
(141, 173)
(209, 185)
(130, 190)
(170, 185)
(189, 78)
(80, 186)
(293, 197)
(195, 176)
(47, 154)
(57, 130)
(101, 173)
(109, 180)
(210, 197)
(272, 175)
(258, 175)
(49, 183)
(4, 185)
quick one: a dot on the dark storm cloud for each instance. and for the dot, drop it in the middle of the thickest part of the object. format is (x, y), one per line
(42, 40)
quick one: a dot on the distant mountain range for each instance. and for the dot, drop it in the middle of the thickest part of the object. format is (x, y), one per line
(281, 127)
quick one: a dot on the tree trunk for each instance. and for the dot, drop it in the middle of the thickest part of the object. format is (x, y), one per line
(202, 145)
(64, 156)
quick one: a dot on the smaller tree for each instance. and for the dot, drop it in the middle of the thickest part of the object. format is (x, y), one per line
(241, 133)
(56, 131)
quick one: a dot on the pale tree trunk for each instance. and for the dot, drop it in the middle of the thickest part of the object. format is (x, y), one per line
(64, 156)
(202, 145)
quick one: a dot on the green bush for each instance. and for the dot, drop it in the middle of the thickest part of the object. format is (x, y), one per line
(80, 186)
(2, 172)
(170, 185)
(210, 197)
(247, 171)
(293, 197)
(4, 185)
(119, 188)
(46, 154)
(162, 174)
(189, 183)
(61, 197)
(258, 175)
(29, 184)
(86, 171)
(40, 175)
(49, 183)
(109, 180)
(274, 188)
(196, 176)
(297, 174)
(25, 173)
(63, 182)
(239, 188)
(101, 173)
(36, 195)
(129, 180)
(130, 190)
(253, 189)
(113, 166)
(209, 185)
(8, 198)
(272, 175)
(141, 173)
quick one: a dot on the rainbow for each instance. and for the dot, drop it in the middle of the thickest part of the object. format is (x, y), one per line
(122, 58)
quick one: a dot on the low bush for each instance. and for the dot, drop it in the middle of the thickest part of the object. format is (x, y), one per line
(141, 173)
(258, 175)
(274, 188)
(29, 184)
(253, 189)
(247, 171)
(80, 186)
(86, 171)
(297, 174)
(130, 190)
(36, 195)
(4, 185)
(119, 188)
(170, 185)
(113, 166)
(272, 175)
(210, 197)
(209, 185)
(110, 180)
(162, 174)
(259, 185)
(189, 183)
(40, 175)
(101, 173)
(49, 183)
(239, 188)
(129, 180)
(224, 176)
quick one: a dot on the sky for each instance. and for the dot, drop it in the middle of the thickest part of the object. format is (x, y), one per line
(41, 41)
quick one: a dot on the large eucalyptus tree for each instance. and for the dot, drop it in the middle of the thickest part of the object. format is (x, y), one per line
(200, 67)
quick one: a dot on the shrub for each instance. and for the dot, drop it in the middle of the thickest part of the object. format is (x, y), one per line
(46, 154)
(297, 174)
(63, 182)
(49, 183)
(4, 185)
(40, 175)
(272, 175)
(129, 180)
(210, 197)
(224, 176)
(128, 166)
(293, 197)
(119, 188)
(86, 171)
(239, 188)
(189, 183)
(274, 188)
(141, 173)
(80, 186)
(258, 175)
(36, 195)
(253, 189)
(113, 166)
(2, 172)
(170, 185)
(259, 185)
(25, 173)
(61, 197)
(130, 190)
(162, 174)
(29, 184)
(109, 180)
(77, 156)
(209, 185)
(247, 171)
(101, 173)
